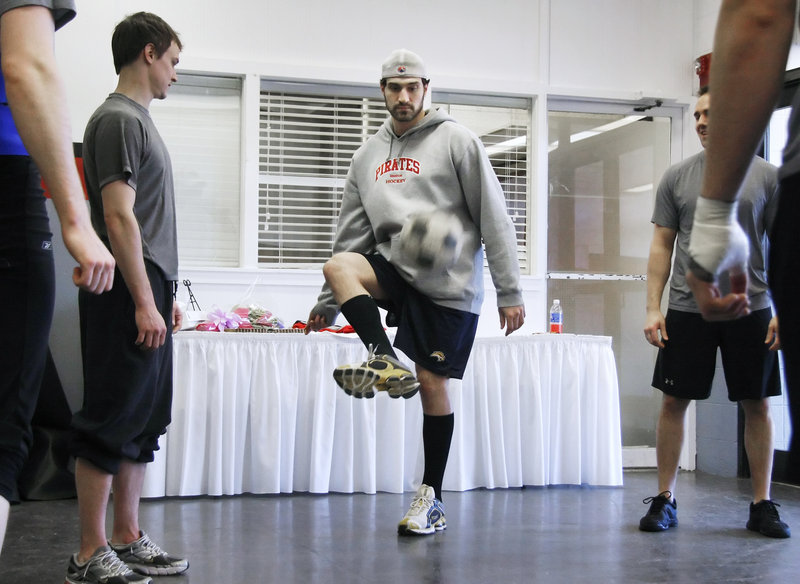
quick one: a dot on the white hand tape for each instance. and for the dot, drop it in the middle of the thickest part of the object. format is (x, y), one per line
(718, 243)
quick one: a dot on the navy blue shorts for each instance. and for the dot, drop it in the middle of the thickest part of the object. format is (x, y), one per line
(685, 366)
(435, 337)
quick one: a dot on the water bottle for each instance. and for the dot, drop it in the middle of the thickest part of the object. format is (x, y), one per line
(556, 317)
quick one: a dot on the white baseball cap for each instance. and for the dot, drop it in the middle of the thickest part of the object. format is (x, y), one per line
(403, 63)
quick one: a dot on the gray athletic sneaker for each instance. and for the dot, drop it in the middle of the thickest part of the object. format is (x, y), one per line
(104, 567)
(146, 557)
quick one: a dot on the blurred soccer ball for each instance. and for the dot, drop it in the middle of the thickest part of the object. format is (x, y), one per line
(432, 241)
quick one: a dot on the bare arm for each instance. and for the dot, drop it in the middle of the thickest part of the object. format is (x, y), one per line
(37, 101)
(659, 263)
(126, 243)
(751, 47)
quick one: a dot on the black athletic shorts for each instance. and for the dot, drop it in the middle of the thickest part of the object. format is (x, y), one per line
(127, 396)
(685, 366)
(434, 337)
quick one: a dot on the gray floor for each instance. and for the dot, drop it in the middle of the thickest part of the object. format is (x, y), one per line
(554, 535)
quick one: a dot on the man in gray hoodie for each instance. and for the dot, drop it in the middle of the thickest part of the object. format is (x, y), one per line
(418, 162)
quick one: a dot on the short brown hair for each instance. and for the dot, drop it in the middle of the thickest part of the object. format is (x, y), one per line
(137, 31)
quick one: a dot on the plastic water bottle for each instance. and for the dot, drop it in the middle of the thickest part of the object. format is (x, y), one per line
(556, 317)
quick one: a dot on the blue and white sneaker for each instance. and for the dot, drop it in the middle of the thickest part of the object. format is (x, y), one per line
(425, 516)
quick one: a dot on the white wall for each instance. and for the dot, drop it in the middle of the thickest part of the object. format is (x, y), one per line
(607, 49)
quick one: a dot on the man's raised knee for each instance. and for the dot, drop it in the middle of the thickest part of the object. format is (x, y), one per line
(334, 268)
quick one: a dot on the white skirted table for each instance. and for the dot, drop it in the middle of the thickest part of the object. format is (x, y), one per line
(260, 413)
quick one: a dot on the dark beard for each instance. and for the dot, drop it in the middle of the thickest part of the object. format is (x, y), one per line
(405, 115)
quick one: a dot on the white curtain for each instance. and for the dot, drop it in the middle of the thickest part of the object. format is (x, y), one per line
(260, 413)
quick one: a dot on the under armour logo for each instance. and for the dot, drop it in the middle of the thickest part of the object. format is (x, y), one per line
(438, 355)
(47, 245)
(668, 381)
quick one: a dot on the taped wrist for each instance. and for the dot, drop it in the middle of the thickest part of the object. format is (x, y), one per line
(718, 242)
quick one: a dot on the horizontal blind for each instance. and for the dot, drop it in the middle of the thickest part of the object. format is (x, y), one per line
(307, 137)
(306, 142)
(200, 122)
(503, 131)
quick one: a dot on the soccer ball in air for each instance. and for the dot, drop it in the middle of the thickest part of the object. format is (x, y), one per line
(432, 241)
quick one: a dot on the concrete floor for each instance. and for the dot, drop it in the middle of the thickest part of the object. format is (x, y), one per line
(553, 535)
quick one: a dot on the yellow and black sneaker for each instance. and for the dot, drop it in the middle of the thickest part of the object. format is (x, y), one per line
(377, 373)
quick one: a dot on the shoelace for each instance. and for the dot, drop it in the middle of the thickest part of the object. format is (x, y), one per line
(772, 511)
(419, 504)
(110, 563)
(150, 548)
(666, 496)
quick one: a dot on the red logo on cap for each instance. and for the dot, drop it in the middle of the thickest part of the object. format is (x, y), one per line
(401, 69)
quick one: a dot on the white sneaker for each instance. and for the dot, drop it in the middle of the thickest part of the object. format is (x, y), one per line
(425, 516)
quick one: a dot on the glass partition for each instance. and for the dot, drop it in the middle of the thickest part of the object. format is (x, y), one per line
(604, 169)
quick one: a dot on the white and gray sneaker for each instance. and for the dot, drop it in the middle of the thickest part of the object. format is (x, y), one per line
(145, 557)
(103, 567)
(425, 516)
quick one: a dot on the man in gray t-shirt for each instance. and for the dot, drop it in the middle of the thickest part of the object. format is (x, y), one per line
(122, 145)
(126, 334)
(688, 344)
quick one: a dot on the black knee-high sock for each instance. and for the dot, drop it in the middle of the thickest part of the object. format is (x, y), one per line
(362, 314)
(437, 432)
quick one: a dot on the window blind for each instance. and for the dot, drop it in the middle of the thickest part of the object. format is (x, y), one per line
(200, 122)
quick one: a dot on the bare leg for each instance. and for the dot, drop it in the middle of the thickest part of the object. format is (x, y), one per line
(433, 393)
(758, 445)
(127, 493)
(350, 275)
(669, 440)
(355, 288)
(94, 486)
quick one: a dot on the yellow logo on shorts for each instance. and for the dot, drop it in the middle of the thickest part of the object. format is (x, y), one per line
(438, 355)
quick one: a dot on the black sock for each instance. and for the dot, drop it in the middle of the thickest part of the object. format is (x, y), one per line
(362, 314)
(437, 432)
